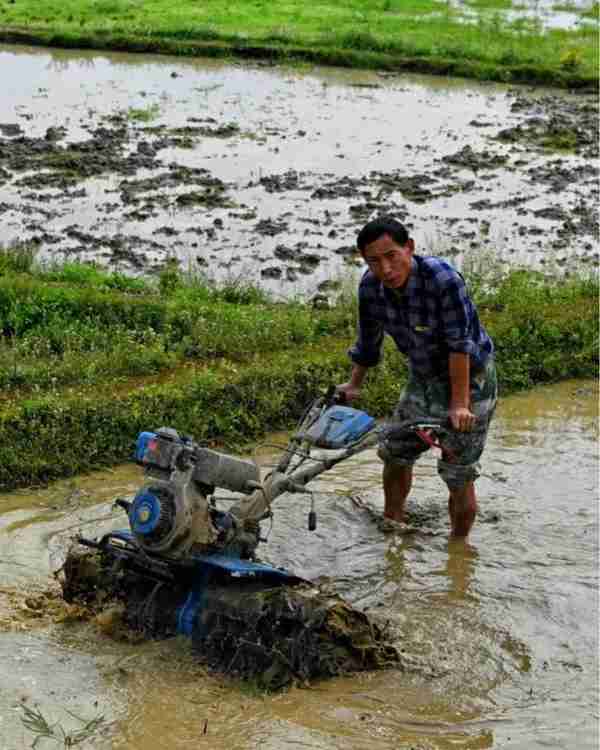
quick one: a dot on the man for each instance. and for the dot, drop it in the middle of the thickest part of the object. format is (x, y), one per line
(423, 304)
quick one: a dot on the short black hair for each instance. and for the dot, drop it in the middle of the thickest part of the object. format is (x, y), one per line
(376, 228)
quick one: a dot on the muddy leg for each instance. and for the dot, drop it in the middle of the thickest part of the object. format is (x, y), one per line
(397, 481)
(462, 507)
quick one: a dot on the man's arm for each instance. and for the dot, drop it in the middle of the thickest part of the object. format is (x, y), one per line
(459, 411)
(457, 312)
(351, 389)
(366, 351)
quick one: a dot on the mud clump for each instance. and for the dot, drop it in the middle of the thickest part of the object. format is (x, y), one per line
(227, 130)
(288, 635)
(272, 635)
(290, 180)
(11, 129)
(61, 166)
(362, 212)
(132, 191)
(307, 261)
(346, 187)
(411, 187)
(270, 228)
(272, 272)
(556, 124)
(210, 198)
(580, 220)
(559, 175)
(467, 158)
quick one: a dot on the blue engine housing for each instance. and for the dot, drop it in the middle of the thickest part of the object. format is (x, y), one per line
(141, 445)
(338, 427)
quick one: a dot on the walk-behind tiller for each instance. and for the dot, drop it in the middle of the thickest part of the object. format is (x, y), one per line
(185, 567)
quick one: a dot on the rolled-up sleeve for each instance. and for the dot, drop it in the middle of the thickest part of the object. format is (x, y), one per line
(457, 313)
(366, 351)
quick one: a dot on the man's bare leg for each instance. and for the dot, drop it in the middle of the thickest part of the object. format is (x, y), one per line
(397, 481)
(462, 507)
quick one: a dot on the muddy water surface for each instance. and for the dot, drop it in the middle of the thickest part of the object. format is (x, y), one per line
(500, 635)
(266, 174)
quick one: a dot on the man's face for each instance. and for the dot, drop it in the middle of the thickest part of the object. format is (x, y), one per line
(388, 261)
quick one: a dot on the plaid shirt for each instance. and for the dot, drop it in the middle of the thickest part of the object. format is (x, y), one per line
(430, 317)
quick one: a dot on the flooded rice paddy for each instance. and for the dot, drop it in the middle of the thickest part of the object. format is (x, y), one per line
(266, 174)
(499, 636)
(547, 14)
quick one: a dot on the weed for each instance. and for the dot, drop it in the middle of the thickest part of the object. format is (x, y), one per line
(571, 59)
(170, 277)
(490, 4)
(561, 139)
(143, 114)
(360, 40)
(37, 724)
(280, 35)
(108, 7)
(239, 291)
(18, 257)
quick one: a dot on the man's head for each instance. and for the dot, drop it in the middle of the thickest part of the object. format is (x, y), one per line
(387, 249)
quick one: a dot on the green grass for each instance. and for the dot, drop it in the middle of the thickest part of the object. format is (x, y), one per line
(394, 34)
(489, 4)
(78, 324)
(143, 114)
(89, 358)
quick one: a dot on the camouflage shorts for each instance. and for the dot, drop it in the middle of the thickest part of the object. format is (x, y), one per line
(427, 399)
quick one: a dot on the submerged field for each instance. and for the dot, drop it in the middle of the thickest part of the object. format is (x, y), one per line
(486, 39)
(90, 358)
(267, 173)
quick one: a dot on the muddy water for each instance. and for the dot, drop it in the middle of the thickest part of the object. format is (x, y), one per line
(545, 13)
(500, 635)
(266, 174)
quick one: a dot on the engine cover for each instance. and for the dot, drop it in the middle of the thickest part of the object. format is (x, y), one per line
(153, 513)
(170, 516)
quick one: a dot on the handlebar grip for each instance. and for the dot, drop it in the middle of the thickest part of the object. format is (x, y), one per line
(330, 393)
(401, 429)
(340, 398)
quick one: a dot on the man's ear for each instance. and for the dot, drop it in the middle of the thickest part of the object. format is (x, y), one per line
(410, 243)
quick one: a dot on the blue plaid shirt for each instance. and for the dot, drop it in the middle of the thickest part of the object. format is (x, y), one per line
(430, 317)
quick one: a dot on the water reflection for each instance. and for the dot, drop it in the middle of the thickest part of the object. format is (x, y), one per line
(461, 566)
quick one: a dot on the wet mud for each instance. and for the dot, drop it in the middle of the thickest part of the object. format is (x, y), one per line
(268, 174)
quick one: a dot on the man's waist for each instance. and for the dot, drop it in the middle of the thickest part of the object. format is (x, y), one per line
(421, 371)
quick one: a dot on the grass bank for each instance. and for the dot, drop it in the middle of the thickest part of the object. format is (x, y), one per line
(477, 39)
(90, 358)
